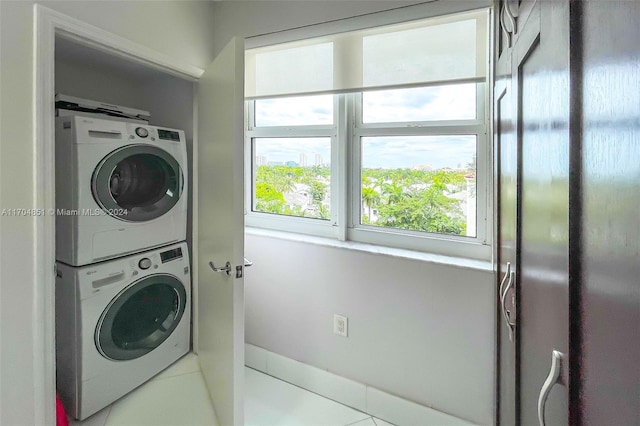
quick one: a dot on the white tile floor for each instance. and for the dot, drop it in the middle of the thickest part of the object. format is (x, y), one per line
(178, 396)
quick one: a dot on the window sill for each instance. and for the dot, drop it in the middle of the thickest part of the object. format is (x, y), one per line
(459, 262)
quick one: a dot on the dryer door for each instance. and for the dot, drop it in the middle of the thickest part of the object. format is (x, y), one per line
(137, 183)
(141, 317)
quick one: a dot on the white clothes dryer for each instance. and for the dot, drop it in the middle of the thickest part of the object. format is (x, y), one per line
(120, 188)
(118, 324)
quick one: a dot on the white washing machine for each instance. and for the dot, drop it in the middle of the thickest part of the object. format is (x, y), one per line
(119, 323)
(120, 188)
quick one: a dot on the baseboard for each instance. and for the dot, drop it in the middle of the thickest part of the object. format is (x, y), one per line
(365, 398)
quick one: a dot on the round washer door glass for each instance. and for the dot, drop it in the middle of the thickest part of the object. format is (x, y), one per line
(141, 317)
(137, 183)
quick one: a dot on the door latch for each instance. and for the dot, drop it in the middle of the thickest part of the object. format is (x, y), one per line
(240, 268)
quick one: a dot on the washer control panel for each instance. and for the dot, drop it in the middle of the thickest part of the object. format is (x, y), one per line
(144, 263)
(142, 132)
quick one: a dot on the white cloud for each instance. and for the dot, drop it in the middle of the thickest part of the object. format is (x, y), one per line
(290, 149)
(410, 151)
(302, 110)
(414, 104)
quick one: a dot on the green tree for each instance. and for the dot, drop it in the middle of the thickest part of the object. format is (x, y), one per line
(393, 191)
(268, 199)
(371, 198)
(323, 211)
(318, 192)
(430, 210)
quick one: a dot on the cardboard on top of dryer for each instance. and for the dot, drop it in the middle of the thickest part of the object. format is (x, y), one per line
(69, 105)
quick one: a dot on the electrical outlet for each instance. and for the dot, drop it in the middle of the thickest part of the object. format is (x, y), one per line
(340, 325)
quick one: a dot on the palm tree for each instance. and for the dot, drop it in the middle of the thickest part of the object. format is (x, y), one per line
(393, 191)
(371, 198)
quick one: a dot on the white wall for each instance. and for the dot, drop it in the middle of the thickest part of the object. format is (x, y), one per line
(250, 18)
(181, 29)
(419, 330)
(193, 32)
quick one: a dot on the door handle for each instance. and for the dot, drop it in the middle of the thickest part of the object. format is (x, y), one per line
(555, 376)
(503, 25)
(504, 280)
(513, 12)
(247, 263)
(511, 16)
(503, 297)
(226, 268)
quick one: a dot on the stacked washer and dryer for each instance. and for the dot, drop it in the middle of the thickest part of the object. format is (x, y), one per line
(123, 288)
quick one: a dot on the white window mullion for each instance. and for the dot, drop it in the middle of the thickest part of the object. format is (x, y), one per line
(250, 115)
(340, 160)
(293, 132)
(355, 164)
(482, 189)
(420, 130)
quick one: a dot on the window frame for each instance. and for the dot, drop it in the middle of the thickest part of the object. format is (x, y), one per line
(448, 244)
(297, 224)
(345, 134)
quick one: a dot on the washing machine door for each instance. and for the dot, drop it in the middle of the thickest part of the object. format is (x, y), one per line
(137, 183)
(141, 317)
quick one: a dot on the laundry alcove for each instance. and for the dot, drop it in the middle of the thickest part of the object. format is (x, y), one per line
(77, 59)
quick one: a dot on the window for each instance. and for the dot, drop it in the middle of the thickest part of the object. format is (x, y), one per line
(375, 160)
(292, 176)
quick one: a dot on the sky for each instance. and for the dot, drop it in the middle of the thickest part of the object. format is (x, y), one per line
(416, 104)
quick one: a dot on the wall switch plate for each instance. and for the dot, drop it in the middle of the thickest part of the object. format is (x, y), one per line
(340, 325)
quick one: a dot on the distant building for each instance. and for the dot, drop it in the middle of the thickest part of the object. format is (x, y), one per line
(318, 160)
(423, 167)
(291, 164)
(261, 160)
(303, 159)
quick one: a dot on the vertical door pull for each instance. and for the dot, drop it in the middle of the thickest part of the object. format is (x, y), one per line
(555, 376)
(512, 6)
(511, 16)
(504, 280)
(504, 289)
(503, 25)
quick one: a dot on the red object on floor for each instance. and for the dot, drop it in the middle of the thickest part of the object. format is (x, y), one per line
(61, 416)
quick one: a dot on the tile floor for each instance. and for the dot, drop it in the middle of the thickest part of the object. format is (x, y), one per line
(178, 396)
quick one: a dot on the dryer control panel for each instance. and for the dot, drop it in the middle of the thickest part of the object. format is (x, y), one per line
(152, 133)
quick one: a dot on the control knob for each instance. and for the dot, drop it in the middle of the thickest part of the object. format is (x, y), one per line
(145, 263)
(142, 132)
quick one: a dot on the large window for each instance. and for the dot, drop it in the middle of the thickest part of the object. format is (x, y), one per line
(402, 165)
